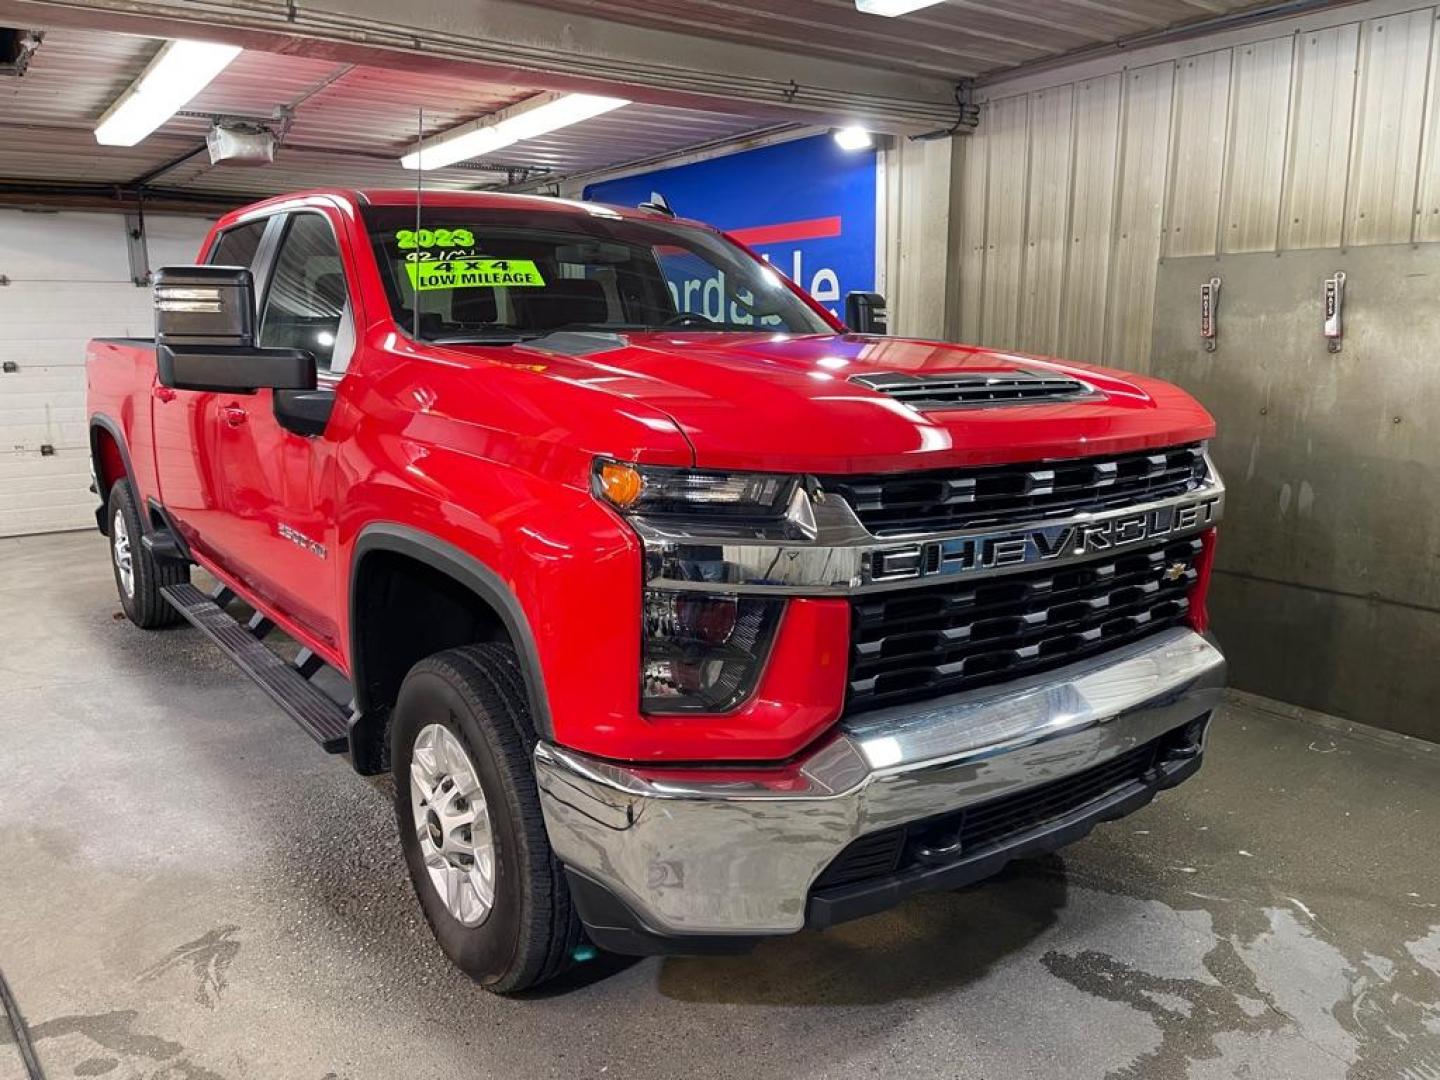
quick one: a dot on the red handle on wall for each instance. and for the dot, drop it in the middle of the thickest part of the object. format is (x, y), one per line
(234, 415)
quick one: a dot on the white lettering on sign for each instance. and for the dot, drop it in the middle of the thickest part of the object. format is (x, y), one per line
(824, 286)
(706, 296)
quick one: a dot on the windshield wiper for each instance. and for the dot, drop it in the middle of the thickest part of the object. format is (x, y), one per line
(483, 339)
(704, 325)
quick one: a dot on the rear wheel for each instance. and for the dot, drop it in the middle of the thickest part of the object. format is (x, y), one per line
(138, 575)
(470, 821)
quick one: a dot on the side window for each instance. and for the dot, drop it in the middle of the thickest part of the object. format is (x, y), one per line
(307, 305)
(237, 246)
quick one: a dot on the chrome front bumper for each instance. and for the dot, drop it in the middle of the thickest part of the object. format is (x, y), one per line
(735, 852)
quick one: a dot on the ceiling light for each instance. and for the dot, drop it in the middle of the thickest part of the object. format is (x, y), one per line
(853, 138)
(458, 146)
(180, 70)
(527, 120)
(892, 7)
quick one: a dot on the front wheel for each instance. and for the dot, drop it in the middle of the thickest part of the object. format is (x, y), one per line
(470, 821)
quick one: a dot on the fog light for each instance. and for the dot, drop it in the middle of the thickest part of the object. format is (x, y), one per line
(704, 652)
(1189, 741)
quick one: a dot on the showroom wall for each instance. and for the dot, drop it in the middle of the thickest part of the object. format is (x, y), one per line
(64, 278)
(1093, 202)
(805, 204)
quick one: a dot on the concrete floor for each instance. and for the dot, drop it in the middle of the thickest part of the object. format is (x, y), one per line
(189, 889)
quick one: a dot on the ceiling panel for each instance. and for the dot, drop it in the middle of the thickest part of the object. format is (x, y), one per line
(294, 170)
(70, 155)
(961, 38)
(350, 123)
(74, 75)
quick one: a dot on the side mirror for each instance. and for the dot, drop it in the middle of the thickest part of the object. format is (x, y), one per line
(865, 313)
(205, 335)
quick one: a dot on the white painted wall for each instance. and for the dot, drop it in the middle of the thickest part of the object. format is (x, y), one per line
(69, 281)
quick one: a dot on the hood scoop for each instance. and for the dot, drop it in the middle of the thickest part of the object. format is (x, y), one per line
(577, 342)
(975, 390)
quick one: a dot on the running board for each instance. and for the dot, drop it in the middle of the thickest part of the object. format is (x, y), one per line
(321, 718)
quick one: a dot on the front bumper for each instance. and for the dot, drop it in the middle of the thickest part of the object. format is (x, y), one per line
(727, 855)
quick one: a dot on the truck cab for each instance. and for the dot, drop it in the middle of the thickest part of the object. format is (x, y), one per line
(681, 615)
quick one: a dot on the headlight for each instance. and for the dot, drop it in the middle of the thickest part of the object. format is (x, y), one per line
(642, 489)
(703, 651)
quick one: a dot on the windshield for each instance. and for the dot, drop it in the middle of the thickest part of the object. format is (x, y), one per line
(502, 276)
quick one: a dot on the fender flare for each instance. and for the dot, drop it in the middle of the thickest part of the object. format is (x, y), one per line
(102, 422)
(468, 572)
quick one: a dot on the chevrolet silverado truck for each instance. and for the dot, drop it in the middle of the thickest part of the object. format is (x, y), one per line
(682, 615)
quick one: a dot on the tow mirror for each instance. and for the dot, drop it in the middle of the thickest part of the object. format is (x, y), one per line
(205, 335)
(865, 313)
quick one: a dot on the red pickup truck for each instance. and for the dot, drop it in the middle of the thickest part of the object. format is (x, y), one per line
(681, 615)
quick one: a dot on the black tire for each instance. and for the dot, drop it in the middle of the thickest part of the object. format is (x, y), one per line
(532, 931)
(142, 602)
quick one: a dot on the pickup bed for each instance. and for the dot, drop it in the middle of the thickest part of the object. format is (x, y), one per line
(677, 627)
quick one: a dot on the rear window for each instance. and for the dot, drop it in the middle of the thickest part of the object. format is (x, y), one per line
(237, 246)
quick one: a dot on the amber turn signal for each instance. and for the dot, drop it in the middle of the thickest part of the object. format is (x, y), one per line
(620, 484)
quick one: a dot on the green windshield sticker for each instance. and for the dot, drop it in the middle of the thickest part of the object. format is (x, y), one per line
(410, 239)
(474, 273)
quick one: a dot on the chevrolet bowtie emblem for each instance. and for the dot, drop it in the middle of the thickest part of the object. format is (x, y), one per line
(1175, 571)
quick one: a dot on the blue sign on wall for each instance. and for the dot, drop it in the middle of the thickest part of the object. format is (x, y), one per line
(807, 206)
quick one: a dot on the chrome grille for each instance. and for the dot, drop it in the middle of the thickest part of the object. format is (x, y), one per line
(944, 638)
(891, 504)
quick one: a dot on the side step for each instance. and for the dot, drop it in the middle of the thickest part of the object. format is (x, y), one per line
(323, 720)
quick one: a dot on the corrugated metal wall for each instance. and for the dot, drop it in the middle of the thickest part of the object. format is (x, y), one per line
(1069, 195)
(916, 236)
(1092, 205)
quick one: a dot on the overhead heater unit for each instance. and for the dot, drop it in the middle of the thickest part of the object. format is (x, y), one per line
(240, 144)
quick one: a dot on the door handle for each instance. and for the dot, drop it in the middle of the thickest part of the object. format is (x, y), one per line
(234, 415)
(164, 393)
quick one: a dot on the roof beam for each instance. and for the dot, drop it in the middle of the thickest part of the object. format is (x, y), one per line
(512, 42)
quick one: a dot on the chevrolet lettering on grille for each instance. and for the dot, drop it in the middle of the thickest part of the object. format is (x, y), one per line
(1063, 541)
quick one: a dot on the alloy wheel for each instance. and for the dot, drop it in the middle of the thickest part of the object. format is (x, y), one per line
(124, 557)
(452, 824)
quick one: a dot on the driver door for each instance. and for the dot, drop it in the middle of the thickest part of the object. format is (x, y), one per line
(187, 442)
(277, 486)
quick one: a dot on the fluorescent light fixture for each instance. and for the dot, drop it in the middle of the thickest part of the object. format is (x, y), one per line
(529, 119)
(180, 70)
(892, 8)
(853, 138)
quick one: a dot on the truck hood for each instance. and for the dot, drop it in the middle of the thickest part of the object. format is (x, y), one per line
(784, 403)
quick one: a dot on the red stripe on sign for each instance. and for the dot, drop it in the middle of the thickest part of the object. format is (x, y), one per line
(789, 231)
